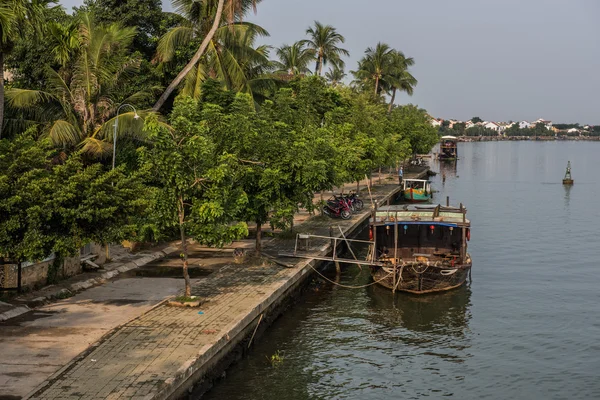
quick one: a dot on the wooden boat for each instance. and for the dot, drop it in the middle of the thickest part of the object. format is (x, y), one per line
(568, 180)
(420, 250)
(416, 190)
(448, 148)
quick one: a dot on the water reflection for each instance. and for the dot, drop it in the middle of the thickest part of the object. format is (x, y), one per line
(447, 169)
(446, 313)
(567, 189)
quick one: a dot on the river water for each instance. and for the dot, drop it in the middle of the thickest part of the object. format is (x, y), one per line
(527, 327)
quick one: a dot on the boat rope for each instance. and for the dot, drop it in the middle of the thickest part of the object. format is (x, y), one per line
(420, 271)
(448, 271)
(348, 286)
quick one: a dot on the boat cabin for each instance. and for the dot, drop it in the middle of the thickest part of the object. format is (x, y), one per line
(416, 190)
(448, 148)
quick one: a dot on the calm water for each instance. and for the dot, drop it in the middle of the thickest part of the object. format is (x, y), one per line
(527, 328)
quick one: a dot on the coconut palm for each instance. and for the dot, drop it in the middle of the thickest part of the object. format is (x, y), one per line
(325, 41)
(398, 78)
(335, 75)
(199, 15)
(374, 66)
(231, 57)
(79, 106)
(15, 15)
(294, 59)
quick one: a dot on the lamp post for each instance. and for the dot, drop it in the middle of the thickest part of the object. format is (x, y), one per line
(135, 116)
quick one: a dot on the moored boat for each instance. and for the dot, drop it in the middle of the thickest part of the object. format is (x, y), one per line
(420, 250)
(448, 148)
(416, 190)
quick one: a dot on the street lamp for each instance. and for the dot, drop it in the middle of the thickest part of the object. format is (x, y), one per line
(135, 116)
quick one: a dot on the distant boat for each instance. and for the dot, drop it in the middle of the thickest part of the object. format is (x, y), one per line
(448, 148)
(568, 180)
(416, 190)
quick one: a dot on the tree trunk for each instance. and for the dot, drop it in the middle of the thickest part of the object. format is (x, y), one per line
(320, 64)
(258, 246)
(380, 175)
(357, 186)
(376, 85)
(184, 251)
(194, 59)
(392, 101)
(1, 92)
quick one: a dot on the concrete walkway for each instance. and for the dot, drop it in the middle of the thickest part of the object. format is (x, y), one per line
(158, 354)
(132, 350)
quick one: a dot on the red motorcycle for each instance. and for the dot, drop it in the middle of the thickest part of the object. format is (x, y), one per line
(339, 207)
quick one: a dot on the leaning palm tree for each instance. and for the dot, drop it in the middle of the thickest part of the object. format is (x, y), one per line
(78, 108)
(398, 77)
(374, 66)
(294, 59)
(15, 15)
(335, 75)
(325, 41)
(231, 57)
(201, 14)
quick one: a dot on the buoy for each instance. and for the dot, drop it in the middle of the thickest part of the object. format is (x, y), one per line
(568, 180)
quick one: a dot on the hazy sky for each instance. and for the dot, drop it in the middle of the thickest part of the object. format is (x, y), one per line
(497, 59)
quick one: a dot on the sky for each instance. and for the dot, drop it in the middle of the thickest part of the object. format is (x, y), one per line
(499, 60)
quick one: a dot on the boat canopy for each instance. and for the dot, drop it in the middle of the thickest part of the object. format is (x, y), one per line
(445, 216)
(415, 180)
(449, 137)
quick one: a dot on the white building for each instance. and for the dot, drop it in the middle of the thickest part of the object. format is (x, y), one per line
(436, 122)
(491, 125)
(524, 125)
(548, 124)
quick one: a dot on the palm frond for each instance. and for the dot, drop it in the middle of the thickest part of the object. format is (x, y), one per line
(171, 41)
(63, 133)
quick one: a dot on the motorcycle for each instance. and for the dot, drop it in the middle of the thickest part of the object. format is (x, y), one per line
(339, 207)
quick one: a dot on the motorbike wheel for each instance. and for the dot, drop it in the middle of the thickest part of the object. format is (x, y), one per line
(346, 214)
(358, 204)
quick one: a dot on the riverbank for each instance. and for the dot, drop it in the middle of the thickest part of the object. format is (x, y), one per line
(531, 138)
(166, 351)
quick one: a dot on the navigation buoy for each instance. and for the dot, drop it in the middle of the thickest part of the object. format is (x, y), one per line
(568, 180)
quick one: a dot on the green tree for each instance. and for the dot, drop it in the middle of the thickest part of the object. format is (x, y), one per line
(335, 75)
(83, 97)
(374, 67)
(15, 17)
(294, 59)
(200, 15)
(144, 15)
(55, 204)
(476, 120)
(197, 180)
(325, 41)
(414, 124)
(398, 77)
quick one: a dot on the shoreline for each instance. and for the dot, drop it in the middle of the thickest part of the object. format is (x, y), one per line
(527, 138)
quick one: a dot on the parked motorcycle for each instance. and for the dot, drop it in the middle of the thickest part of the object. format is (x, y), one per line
(338, 207)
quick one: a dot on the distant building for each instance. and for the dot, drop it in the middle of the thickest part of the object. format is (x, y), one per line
(573, 130)
(491, 125)
(8, 76)
(547, 123)
(437, 122)
(524, 125)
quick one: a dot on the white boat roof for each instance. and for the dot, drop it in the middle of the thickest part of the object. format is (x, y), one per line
(415, 180)
(448, 137)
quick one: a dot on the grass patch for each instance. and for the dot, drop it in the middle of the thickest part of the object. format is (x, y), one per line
(185, 299)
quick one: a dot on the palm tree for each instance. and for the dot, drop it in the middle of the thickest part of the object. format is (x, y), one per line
(231, 57)
(199, 14)
(374, 66)
(79, 106)
(294, 59)
(398, 78)
(324, 40)
(335, 75)
(15, 15)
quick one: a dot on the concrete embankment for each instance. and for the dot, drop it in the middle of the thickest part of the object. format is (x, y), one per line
(171, 352)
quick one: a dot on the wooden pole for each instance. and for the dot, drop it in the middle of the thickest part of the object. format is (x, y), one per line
(447, 201)
(395, 250)
(19, 277)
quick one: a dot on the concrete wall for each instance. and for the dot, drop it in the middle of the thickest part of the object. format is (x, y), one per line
(36, 275)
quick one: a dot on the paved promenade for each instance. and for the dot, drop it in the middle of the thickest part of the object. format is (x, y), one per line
(154, 355)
